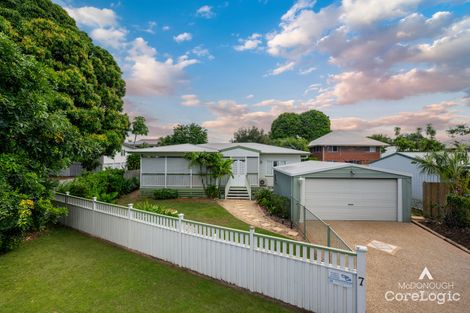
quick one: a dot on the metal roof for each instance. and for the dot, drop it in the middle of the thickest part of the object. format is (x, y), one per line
(216, 147)
(182, 148)
(310, 167)
(346, 138)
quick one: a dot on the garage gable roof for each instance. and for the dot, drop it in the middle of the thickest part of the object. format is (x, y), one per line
(310, 167)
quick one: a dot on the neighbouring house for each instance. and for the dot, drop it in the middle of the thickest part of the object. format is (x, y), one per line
(349, 147)
(406, 161)
(344, 191)
(119, 160)
(253, 164)
(145, 142)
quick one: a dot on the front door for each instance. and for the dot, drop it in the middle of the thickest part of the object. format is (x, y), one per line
(239, 172)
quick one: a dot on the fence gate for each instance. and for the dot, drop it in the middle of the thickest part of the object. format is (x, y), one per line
(434, 199)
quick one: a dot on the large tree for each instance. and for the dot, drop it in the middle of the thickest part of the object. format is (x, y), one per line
(308, 125)
(190, 133)
(60, 101)
(253, 134)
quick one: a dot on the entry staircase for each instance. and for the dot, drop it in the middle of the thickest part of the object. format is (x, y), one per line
(238, 189)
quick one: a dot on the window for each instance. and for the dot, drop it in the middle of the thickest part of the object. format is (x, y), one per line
(372, 149)
(271, 164)
(333, 148)
(123, 152)
(317, 149)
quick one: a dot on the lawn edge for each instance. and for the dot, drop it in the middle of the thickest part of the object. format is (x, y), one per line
(457, 245)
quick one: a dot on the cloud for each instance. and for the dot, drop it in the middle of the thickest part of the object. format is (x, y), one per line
(166, 28)
(205, 11)
(282, 68)
(200, 51)
(93, 17)
(190, 100)
(110, 37)
(307, 70)
(363, 12)
(382, 49)
(150, 77)
(183, 37)
(250, 96)
(441, 115)
(151, 27)
(252, 42)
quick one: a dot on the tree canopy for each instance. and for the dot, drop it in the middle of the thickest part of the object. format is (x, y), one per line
(308, 125)
(253, 134)
(190, 133)
(60, 101)
(139, 127)
(415, 141)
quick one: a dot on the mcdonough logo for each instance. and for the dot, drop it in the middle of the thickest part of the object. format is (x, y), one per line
(424, 290)
(425, 273)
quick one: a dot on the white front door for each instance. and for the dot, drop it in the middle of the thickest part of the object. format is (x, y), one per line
(352, 199)
(239, 172)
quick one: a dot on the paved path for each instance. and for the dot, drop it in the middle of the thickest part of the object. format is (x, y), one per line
(249, 212)
(416, 249)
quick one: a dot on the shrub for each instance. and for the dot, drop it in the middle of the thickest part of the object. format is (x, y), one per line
(275, 204)
(458, 211)
(106, 185)
(162, 194)
(133, 162)
(212, 192)
(154, 208)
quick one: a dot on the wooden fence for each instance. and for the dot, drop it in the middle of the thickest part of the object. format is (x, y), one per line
(434, 199)
(309, 276)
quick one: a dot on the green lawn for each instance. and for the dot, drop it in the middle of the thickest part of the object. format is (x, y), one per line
(201, 210)
(65, 271)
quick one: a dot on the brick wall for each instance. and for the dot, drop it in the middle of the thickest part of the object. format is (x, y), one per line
(348, 154)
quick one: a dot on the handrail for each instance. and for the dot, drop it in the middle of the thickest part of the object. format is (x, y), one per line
(227, 187)
(248, 187)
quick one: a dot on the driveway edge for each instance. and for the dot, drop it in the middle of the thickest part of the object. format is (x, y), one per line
(440, 236)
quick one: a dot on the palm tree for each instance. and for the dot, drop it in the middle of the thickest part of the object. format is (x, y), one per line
(452, 167)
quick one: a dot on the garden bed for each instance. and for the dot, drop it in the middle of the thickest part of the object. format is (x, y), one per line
(458, 235)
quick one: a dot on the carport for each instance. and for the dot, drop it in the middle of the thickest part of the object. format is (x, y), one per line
(344, 191)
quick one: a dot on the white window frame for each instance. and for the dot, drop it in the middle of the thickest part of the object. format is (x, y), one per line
(372, 149)
(270, 166)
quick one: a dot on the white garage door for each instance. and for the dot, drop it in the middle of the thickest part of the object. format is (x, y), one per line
(352, 199)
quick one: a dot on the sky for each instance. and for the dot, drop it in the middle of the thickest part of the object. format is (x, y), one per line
(370, 65)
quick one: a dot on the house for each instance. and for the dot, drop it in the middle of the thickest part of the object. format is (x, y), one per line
(405, 161)
(253, 164)
(344, 191)
(144, 143)
(119, 160)
(342, 146)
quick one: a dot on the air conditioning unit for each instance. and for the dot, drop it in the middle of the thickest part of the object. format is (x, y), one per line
(262, 182)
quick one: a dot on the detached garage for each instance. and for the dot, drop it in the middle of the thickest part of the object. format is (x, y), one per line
(344, 191)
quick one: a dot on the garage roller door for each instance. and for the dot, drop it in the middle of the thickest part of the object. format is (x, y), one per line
(352, 199)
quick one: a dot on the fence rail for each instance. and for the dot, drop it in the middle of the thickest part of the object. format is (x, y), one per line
(312, 277)
(314, 229)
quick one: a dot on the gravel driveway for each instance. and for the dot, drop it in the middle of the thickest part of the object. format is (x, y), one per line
(417, 249)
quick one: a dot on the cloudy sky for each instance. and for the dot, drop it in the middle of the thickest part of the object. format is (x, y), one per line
(370, 65)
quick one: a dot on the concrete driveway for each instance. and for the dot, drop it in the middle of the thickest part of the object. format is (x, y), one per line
(416, 249)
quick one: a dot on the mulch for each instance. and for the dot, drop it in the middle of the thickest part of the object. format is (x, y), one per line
(459, 235)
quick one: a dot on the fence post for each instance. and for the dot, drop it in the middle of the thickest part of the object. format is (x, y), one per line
(180, 239)
(361, 279)
(328, 236)
(252, 258)
(93, 227)
(129, 212)
(305, 222)
(67, 194)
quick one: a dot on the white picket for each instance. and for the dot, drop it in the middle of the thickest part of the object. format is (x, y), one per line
(291, 271)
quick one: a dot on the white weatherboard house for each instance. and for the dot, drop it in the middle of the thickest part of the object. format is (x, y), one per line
(253, 163)
(403, 161)
(345, 191)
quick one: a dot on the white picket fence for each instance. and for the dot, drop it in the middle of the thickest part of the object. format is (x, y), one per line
(312, 277)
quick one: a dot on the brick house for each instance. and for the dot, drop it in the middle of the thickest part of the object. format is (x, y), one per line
(342, 146)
